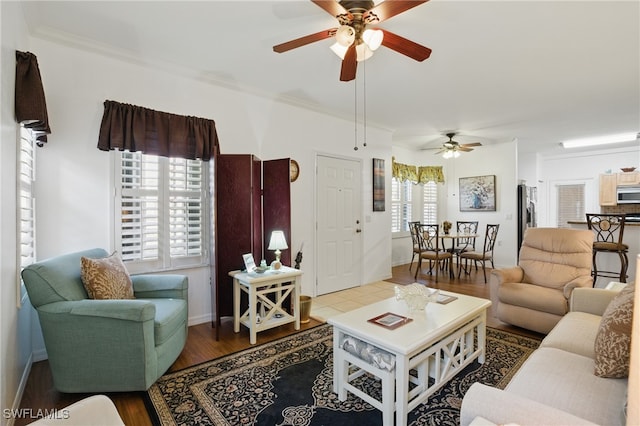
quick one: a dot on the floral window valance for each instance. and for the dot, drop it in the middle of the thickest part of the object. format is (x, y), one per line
(430, 174)
(135, 128)
(404, 172)
(422, 174)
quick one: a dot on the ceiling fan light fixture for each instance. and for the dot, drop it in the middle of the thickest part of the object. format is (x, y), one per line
(450, 153)
(373, 38)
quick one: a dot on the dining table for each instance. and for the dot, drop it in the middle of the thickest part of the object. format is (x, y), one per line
(455, 237)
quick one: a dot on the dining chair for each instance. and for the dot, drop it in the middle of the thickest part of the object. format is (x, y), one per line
(484, 256)
(429, 239)
(415, 243)
(465, 243)
(608, 231)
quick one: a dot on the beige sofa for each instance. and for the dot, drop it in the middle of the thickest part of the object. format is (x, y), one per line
(557, 384)
(535, 294)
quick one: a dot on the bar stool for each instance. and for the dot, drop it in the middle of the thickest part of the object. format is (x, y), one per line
(608, 230)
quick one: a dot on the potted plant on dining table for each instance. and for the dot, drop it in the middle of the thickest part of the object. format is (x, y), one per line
(446, 226)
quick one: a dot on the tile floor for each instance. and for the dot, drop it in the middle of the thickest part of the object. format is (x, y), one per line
(327, 305)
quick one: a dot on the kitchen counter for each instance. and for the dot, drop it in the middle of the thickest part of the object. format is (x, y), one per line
(584, 222)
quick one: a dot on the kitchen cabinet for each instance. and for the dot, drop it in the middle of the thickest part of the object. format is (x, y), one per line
(629, 178)
(608, 185)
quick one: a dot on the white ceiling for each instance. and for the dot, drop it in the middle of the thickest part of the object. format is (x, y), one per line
(538, 71)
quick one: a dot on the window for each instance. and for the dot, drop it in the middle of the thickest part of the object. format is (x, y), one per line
(26, 201)
(400, 205)
(161, 211)
(571, 204)
(430, 202)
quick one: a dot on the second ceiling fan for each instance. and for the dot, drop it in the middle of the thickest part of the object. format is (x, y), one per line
(355, 40)
(452, 148)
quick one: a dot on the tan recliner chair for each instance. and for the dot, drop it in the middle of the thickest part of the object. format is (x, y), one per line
(535, 294)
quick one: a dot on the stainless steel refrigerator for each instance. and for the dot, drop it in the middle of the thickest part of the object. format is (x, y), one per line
(526, 210)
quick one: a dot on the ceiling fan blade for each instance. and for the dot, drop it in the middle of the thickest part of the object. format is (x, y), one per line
(389, 9)
(302, 41)
(405, 46)
(464, 148)
(333, 8)
(349, 64)
(467, 145)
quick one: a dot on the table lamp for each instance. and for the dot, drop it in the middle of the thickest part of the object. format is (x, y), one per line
(277, 243)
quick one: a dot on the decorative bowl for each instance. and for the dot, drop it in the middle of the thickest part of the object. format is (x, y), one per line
(416, 296)
(261, 269)
(628, 169)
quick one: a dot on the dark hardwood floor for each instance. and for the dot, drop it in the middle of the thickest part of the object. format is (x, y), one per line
(202, 346)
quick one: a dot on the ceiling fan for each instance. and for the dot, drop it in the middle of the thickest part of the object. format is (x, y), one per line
(452, 148)
(355, 40)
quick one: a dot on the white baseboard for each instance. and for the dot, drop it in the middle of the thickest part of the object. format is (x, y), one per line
(200, 319)
(20, 391)
(39, 355)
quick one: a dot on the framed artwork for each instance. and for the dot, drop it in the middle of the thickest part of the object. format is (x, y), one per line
(390, 320)
(378, 185)
(478, 193)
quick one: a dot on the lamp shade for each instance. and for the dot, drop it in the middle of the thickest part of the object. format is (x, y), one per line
(363, 52)
(339, 49)
(277, 241)
(345, 35)
(373, 38)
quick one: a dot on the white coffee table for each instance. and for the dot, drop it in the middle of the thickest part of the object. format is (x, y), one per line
(438, 342)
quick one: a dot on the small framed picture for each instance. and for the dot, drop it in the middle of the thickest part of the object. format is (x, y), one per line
(378, 185)
(390, 320)
(249, 263)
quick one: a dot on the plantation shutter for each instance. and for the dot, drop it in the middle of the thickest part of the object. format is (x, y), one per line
(186, 207)
(571, 204)
(430, 204)
(400, 205)
(26, 202)
(140, 204)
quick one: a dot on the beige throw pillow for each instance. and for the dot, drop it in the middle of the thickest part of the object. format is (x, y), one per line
(613, 341)
(106, 278)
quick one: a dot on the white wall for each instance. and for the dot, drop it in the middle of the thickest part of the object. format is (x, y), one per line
(15, 323)
(579, 167)
(74, 183)
(586, 167)
(74, 177)
(498, 160)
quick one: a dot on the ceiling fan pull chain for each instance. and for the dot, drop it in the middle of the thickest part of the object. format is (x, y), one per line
(355, 114)
(364, 102)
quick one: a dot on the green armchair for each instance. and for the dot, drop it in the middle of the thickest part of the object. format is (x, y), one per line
(106, 345)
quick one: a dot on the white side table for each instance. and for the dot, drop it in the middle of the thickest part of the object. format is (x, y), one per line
(279, 284)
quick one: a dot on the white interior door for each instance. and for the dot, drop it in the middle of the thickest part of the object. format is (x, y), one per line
(339, 226)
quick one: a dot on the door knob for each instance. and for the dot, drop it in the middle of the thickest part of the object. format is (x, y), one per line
(358, 230)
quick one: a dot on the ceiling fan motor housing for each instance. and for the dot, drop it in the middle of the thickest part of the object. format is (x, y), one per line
(357, 6)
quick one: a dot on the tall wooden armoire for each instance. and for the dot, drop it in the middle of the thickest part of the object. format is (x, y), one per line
(252, 198)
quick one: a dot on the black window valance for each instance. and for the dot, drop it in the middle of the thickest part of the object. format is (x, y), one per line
(135, 128)
(30, 104)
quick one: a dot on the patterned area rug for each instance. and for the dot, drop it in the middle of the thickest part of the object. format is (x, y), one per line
(288, 382)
